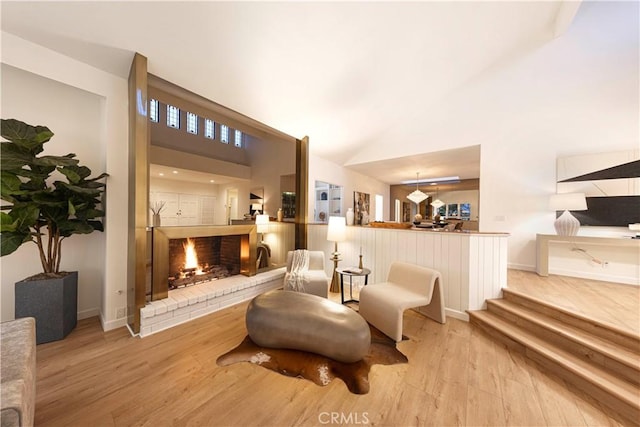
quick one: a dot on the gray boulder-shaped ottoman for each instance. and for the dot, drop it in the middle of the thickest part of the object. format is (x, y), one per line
(297, 321)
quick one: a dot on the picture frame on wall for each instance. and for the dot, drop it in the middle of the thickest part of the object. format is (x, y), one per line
(453, 210)
(465, 211)
(361, 207)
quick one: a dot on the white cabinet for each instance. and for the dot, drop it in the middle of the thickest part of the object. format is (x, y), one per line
(181, 209)
(328, 201)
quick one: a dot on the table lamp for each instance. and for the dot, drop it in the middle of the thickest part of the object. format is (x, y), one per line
(262, 224)
(566, 224)
(336, 232)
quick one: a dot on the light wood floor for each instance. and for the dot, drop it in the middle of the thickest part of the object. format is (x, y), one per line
(612, 303)
(455, 376)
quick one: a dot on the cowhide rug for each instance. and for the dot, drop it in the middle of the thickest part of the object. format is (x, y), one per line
(314, 367)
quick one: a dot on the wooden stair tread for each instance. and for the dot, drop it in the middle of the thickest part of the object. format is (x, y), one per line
(578, 335)
(603, 325)
(597, 376)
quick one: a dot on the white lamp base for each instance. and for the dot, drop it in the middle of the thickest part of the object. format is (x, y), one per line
(566, 224)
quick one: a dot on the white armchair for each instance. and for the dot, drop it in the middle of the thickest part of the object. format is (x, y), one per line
(407, 286)
(318, 283)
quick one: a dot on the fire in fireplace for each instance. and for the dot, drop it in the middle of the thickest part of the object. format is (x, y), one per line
(201, 259)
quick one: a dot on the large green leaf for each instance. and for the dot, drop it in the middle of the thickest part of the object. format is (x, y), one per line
(10, 241)
(26, 215)
(7, 223)
(56, 161)
(14, 158)
(48, 198)
(10, 187)
(67, 228)
(77, 189)
(24, 135)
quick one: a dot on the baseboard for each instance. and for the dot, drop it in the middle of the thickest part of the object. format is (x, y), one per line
(85, 314)
(523, 267)
(596, 276)
(456, 314)
(112, 324)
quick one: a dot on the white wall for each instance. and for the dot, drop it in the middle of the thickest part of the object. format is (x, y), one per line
(67, 87)
(575, 94)
(324, 170)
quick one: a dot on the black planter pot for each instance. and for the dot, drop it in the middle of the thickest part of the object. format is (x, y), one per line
(53, 302)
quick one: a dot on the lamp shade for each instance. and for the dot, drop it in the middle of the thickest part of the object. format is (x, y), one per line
(568, 202)
(256, 206)
(262, 222)
(417, 196)
(337, 229)
(437, 203)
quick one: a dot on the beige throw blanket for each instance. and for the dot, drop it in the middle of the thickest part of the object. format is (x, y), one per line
(296, 279)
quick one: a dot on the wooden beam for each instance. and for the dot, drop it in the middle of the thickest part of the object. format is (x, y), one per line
(302, 186)
(139, 141)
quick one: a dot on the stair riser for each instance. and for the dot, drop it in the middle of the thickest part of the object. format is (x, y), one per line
(630, 373)
(621, 406)
(631, 343)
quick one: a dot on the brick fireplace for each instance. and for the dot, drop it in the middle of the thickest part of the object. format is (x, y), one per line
(222, 251)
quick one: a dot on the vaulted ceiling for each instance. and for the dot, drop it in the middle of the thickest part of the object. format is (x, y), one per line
(353, 76)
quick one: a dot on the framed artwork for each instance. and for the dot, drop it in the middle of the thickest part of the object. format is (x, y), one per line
(465, 211)
(452, 210)
(361, 208)
(610, 183)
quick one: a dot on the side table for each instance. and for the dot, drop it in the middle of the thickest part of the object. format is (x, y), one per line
(351, 272)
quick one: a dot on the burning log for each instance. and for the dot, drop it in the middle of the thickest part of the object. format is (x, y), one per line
(189, 276)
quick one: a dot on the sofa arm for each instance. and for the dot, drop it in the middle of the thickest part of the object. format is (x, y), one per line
(18, 372)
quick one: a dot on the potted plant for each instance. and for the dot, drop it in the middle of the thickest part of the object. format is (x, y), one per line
(46, 199)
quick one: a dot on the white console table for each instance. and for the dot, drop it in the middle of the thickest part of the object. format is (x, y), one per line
(543, 240)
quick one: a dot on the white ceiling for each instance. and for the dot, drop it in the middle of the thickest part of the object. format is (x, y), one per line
(353, 76)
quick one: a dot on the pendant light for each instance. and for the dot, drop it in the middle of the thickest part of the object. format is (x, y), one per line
(417, 196)
(437, 202)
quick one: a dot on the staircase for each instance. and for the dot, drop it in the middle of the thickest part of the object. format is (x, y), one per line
(601, 360)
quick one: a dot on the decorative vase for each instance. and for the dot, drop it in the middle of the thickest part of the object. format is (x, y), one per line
(156, 220)
(350, 216)
(53, 303)
(279, 215)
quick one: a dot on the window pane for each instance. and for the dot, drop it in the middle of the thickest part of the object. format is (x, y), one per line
(192, 123)
(173, 116)
(209, 129)
(238, 139)
(154, 110)
(224, 134)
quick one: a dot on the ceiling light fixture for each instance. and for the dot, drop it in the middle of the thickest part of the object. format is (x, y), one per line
(417, 196)
(437, 202)
(434, 181)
